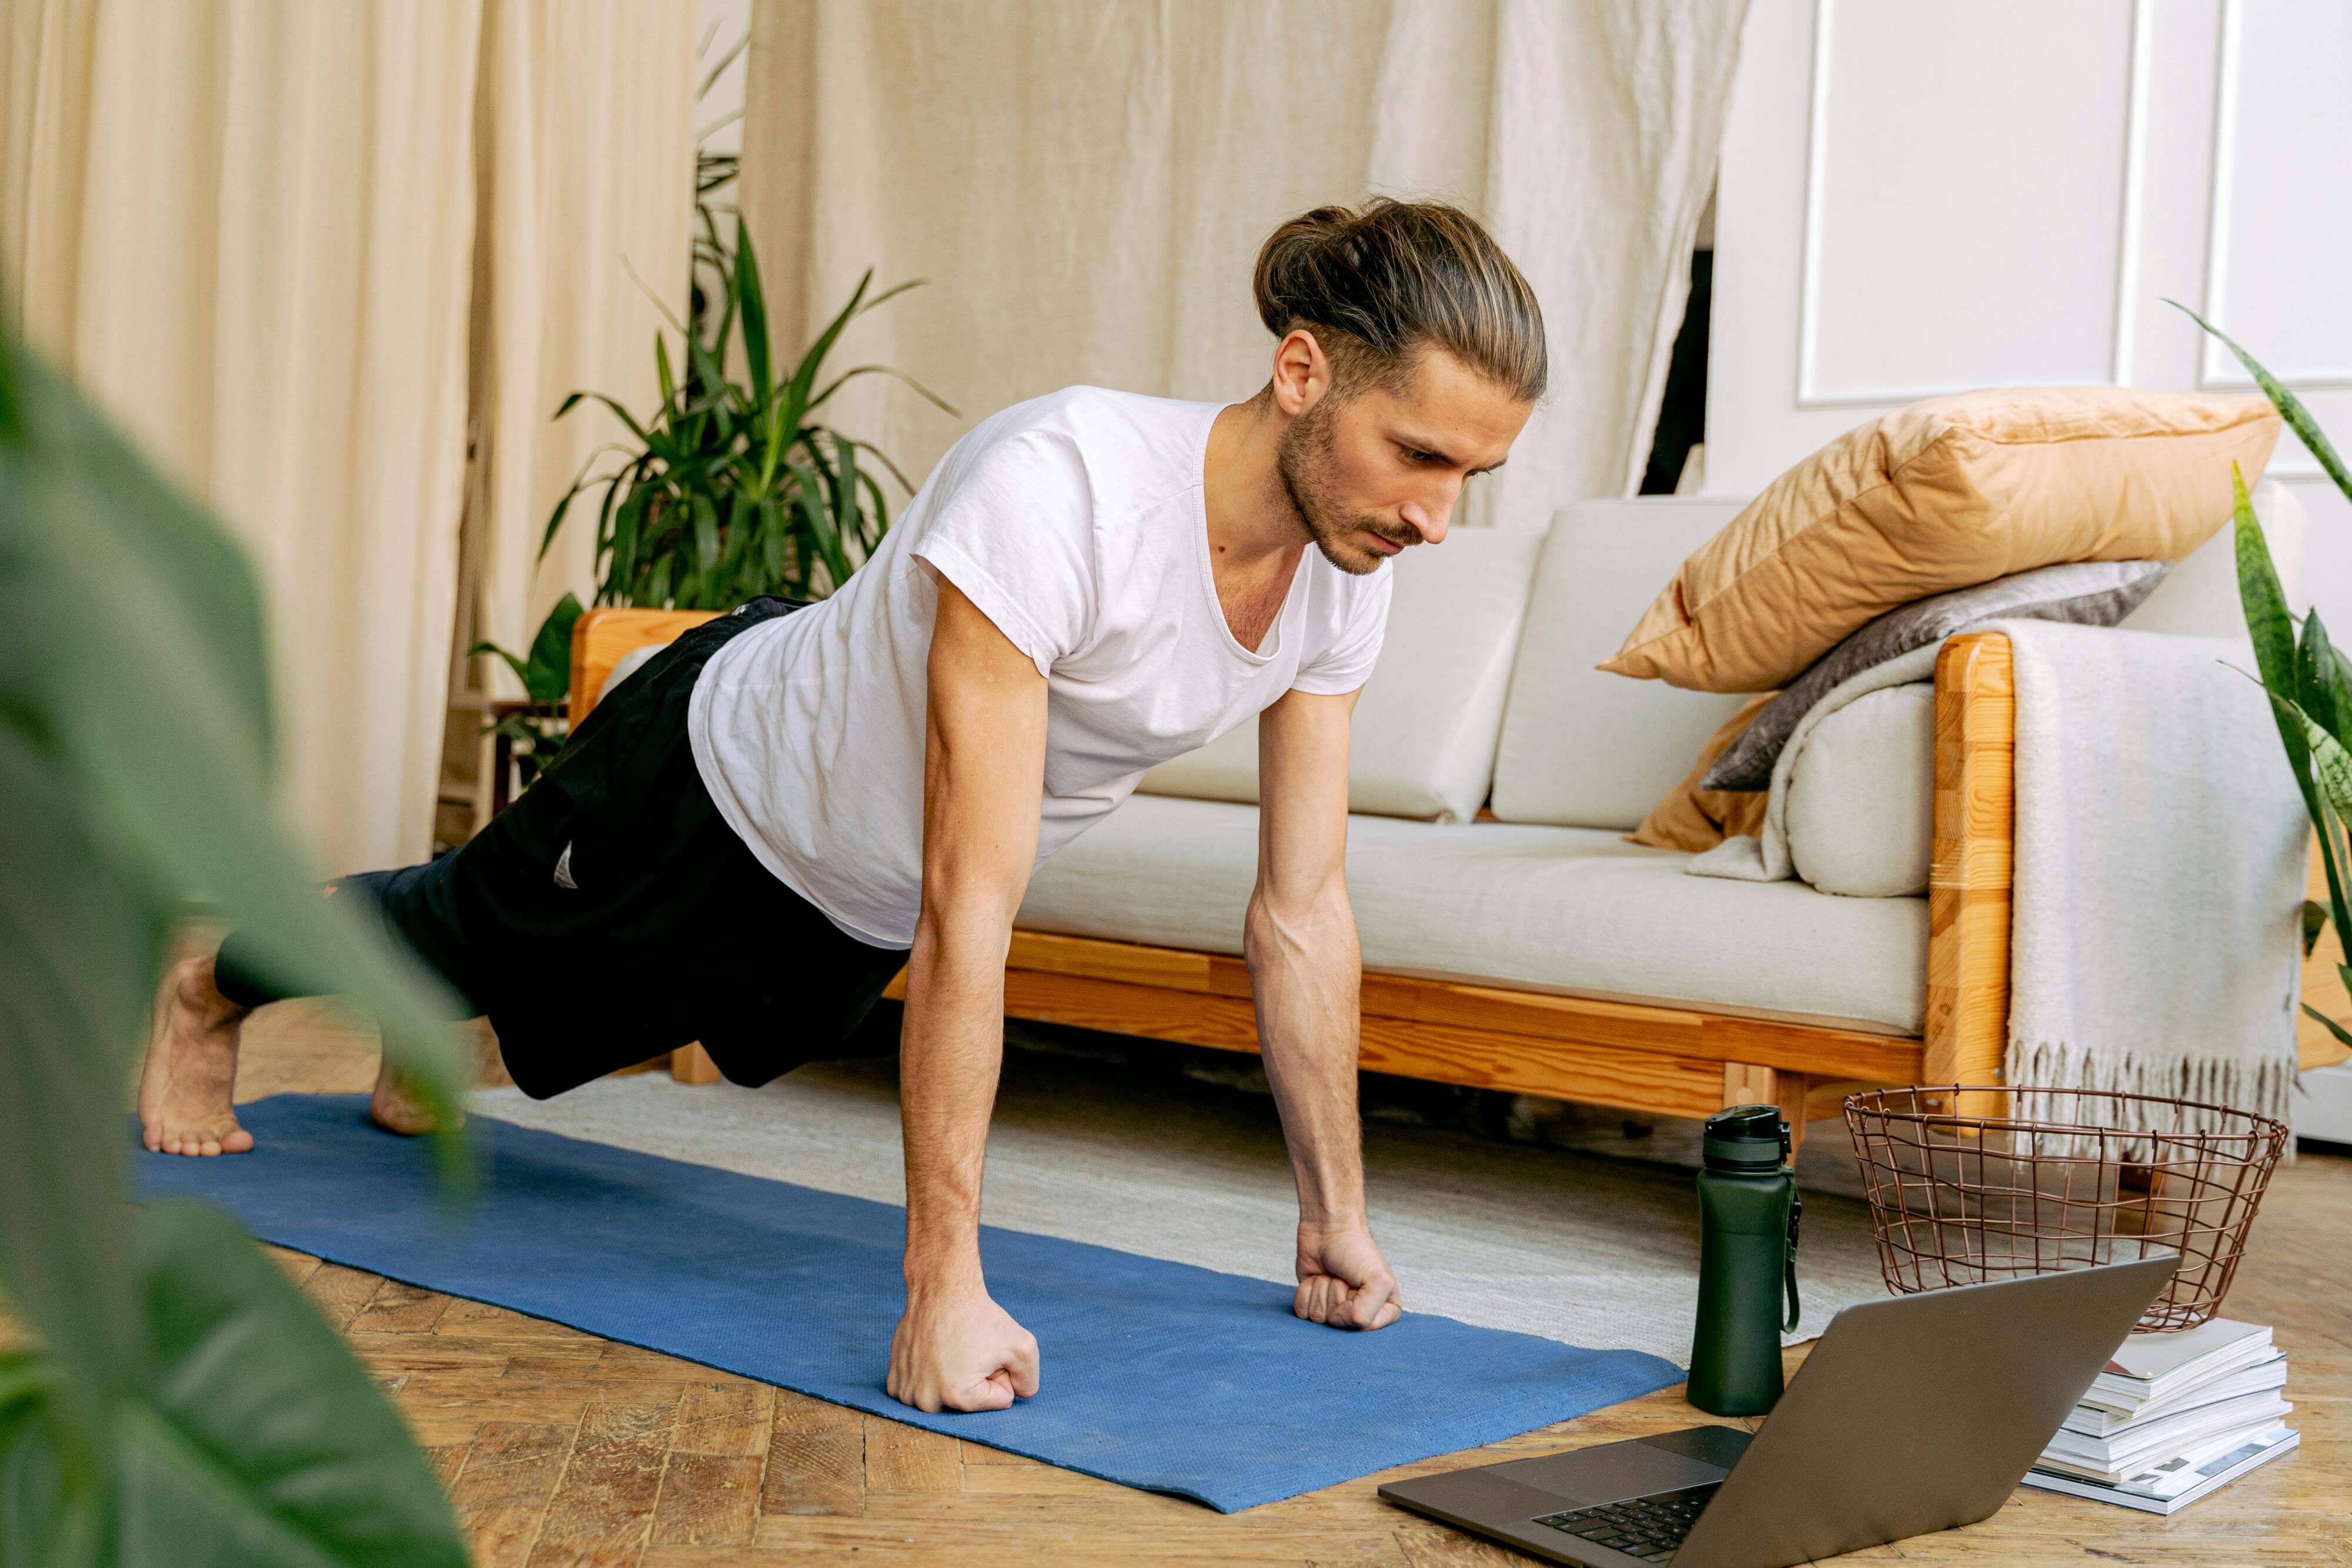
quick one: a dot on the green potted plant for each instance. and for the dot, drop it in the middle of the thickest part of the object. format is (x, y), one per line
(729, 489)
(2309, 681)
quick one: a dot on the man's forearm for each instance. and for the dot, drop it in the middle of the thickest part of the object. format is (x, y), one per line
(1306, 973)
(950, 1050)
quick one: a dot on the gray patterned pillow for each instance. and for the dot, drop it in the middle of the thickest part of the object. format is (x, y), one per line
(2088, 593)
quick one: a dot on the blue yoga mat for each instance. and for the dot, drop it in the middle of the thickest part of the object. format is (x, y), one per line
(1156, 1375)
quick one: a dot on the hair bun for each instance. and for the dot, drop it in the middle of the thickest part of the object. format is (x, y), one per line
(1392, 276)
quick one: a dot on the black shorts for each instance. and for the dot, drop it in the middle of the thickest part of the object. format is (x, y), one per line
(610, 914)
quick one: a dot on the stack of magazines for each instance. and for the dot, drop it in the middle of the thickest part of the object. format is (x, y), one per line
(2174, 1416)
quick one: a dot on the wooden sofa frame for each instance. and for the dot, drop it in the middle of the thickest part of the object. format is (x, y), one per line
(1647, 1060)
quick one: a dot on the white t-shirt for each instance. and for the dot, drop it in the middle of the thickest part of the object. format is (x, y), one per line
(1075, 523)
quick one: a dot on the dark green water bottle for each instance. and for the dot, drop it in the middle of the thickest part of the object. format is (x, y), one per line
(1749, 1210)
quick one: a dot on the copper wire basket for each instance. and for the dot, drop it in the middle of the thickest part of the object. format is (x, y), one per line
(2034, 1181)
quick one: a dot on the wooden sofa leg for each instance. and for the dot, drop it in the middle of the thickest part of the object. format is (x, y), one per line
(692, 1064)
(1746, 1084)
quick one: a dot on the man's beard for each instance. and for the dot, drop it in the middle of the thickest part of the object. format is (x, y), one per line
(1304, 460)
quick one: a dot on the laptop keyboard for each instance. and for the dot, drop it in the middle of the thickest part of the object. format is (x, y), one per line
(1649, 1528)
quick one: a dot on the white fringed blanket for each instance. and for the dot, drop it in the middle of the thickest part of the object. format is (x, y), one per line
(2161, 851)
(2159, 873)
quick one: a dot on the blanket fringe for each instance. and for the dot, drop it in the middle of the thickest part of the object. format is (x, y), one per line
(2263, 1087)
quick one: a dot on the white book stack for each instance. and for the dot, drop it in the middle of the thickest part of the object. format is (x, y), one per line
(2174, 1416)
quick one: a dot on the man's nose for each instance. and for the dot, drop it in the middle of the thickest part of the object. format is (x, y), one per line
(1432, 521)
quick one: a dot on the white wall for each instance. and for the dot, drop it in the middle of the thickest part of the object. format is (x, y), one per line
(1917, 198)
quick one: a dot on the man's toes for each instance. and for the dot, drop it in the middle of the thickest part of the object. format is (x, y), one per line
(235, 1141)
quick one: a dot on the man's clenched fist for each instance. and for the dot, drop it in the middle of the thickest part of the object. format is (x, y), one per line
(1343, 1281)
(956, 1349)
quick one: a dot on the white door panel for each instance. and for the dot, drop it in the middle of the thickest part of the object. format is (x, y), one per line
(1919, 198)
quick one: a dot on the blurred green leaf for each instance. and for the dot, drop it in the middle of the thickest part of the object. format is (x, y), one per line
(49, 1493)
(134, 761)
(265, 1441)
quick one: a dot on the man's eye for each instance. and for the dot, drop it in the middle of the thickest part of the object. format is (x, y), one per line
(1422, 456)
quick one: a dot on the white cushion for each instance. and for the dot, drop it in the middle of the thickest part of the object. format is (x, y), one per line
(2199, 597)
(1570, 911)
(1580, 748)
(628, 665)
(1423, 743)
(1861, 795)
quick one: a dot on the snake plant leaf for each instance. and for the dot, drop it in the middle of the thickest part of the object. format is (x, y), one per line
(2325, 697)
(2314, 921)
(2317, 673)
(2281, 658)
(2298, 418)
(2272, 628)
(2331, 763)
(2343, 1036)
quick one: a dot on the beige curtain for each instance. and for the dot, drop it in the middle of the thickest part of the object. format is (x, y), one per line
(248, 228)
(586, 162)
(1086, 183)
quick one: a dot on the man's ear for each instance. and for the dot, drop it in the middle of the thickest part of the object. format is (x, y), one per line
(1302, 373)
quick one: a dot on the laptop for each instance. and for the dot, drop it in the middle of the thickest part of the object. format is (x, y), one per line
(1914, 1414)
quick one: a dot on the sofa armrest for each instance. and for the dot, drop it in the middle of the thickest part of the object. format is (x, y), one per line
(601, 638)
(1969, 880)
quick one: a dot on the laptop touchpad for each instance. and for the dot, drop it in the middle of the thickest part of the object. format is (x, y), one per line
(1609, 1471)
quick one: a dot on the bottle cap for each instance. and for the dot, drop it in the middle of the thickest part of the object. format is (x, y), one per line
(1747, 1137)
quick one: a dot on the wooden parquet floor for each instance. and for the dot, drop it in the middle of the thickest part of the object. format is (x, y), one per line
(559, 1448)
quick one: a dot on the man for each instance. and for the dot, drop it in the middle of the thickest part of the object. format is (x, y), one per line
(748, 838)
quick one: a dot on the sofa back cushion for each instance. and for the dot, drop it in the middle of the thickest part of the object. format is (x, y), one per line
(1581, 748)
(1422, 742)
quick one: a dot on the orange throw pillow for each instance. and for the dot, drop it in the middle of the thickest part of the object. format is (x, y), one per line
(1943, 495)
(1691, 819)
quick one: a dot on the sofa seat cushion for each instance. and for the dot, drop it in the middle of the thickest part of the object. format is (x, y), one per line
(1570, 911)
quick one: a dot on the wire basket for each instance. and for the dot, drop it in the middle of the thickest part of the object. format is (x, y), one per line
(2034, 1181)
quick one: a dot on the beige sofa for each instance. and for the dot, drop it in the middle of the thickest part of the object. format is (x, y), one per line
(1512, 938)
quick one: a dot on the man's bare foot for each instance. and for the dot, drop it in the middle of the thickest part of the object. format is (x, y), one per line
(186, 1094)
(398, 1109)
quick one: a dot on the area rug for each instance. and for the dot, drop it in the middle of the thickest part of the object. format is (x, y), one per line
(1157, 1375)
(1596, 1245)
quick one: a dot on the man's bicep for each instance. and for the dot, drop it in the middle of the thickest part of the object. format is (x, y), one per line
(1302, 750)
(984, 759)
